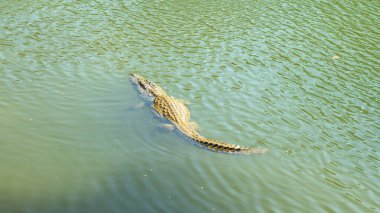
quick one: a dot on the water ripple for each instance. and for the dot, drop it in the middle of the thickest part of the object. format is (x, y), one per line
(300, 78)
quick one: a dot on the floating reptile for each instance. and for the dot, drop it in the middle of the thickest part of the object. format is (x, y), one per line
(178, 114)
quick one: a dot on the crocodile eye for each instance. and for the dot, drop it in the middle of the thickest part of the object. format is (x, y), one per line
(148, 82)
(142, 85)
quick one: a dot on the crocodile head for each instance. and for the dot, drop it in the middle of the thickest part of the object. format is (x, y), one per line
(145, 86)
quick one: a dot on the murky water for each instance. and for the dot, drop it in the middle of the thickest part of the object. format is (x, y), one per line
(300, 78)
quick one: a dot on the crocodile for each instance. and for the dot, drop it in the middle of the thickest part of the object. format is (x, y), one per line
(178, 114)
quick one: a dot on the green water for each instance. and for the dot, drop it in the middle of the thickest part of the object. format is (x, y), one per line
(300, 78)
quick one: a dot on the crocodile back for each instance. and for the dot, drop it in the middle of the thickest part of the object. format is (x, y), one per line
(171, 109)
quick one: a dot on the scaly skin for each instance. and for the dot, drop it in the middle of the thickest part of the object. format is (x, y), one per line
(176, 112)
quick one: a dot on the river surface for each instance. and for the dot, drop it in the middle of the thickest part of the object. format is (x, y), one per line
(300, 78)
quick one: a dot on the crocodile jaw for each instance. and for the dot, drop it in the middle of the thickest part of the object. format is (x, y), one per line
(145, 86)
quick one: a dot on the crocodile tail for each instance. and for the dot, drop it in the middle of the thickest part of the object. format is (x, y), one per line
(218, 146)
